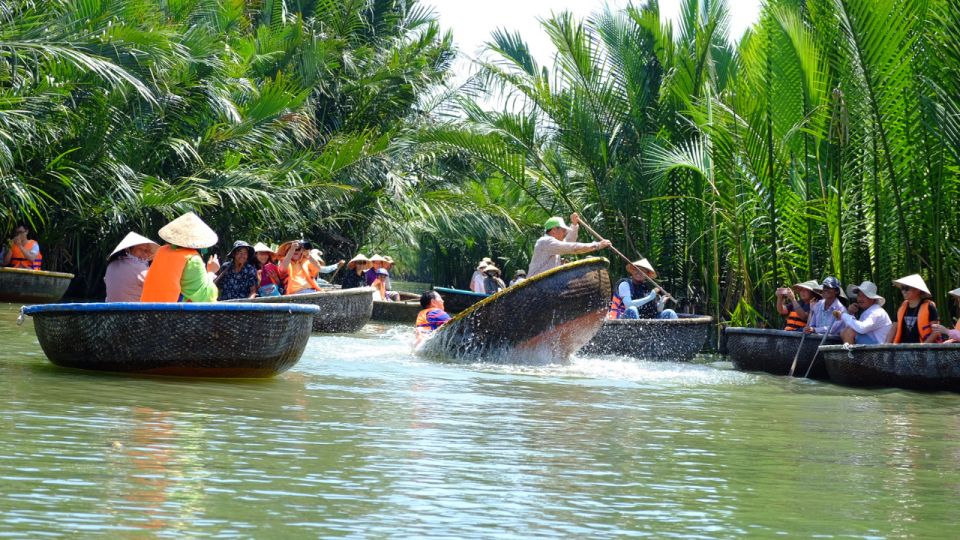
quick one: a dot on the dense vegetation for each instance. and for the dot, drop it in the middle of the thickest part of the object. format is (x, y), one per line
(826, 141)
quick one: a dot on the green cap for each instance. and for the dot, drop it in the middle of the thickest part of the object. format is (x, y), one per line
(555, 221)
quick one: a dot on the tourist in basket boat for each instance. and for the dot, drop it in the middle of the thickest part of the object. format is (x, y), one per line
(178, 273)
(299, 266)
(325, 269)
(872, 324)
(492, 283)
(376, 263)
(821, 319)
(636, 298)
(21, 252)
(127, 267)
(518, 276)
(271, 283)
(389, 263)
(795, 309)
(239, 276)
(952, 335)
(917, 314)
(431, 316)
(356, 272)
(559, 239)
(478, 279)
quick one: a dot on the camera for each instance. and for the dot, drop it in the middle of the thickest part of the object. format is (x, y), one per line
(306, 245)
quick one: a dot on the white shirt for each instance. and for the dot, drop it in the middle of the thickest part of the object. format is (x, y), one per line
(874, 322)
(547, 251)
(476, 282)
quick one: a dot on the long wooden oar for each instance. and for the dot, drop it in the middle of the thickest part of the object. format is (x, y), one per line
(793, 366)
(814, 359)
(624, 257)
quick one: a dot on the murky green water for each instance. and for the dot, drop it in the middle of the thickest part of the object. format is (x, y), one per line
(362, 440)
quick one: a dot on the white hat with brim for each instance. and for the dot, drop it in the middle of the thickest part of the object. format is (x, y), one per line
(360, 258)
(486, 260)
(955, 293)
(377, 258)
(913, 281)
(810, 285)
(260, 247)
(869, 289)
(482, 267)
(133, 239)
(188, 231)
(643, 263)
(491, 268)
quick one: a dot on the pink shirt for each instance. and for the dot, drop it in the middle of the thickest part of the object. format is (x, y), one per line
(124, 279)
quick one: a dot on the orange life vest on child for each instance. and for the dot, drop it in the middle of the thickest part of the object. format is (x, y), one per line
(300, 276)
(162, 283)
(19, 260)
(923, 320)
(794, 322)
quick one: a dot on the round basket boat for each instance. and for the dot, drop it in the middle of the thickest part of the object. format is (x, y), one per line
(401, 312)
(340, 310)
(457, 300)
(772, 351)
(677, 340)
(913, 366)
(32, 286)
(541, 320)
(180, 339)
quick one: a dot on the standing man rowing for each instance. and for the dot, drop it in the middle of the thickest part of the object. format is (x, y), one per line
(559, 239)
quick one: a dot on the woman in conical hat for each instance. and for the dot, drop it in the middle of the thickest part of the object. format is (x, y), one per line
(178, 273)
(271, 284)
(376, 263)
(917, 314)
(127, 268)
(356, 272)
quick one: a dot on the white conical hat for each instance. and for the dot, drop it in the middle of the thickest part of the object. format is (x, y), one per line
(130, 240)
(260, 247)
(643, 263)
(188, 231)
(955, 292)
(360, 258)
(914, 281)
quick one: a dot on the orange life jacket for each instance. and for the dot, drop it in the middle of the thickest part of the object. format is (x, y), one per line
(794, 322)
(162, 283)
(427, 324)
(19, 260)
(637, 290)
(923, 320)
(300, 276)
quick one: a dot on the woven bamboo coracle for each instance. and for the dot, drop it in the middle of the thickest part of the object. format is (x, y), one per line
(401, 312)
(181, 339)
(772, 351)
(544, 319)
(677, 340)
(32, 286)
(912, 366)
(340, 310)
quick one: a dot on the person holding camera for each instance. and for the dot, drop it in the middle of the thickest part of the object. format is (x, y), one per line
(21, 252)
(299, 266)
(797, 310)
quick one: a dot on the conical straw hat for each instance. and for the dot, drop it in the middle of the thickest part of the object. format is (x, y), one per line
(260, 247)
(955, 292)
(188, 231)
(377, 258)
(133, 239)
(914, 281)
(645, 264)
(358, 259)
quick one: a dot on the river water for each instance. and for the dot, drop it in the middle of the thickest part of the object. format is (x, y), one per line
(363, 440)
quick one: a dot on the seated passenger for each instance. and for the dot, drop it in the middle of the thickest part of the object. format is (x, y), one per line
(518, 276)
(325, 268)
(127, 268)
(271, 283)
(299, 266)
(238, 277)
(634, 298)
(797, 311)
(953, 334)
(917, 313)
(356, 272)
(822, 319)
(178, 273)
(492, 283)
(21, 252)
(873, 324)
(431, 316)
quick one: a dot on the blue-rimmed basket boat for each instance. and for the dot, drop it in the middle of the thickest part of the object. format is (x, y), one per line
(341, 310)
(541, 320)
(457, 300)
(180, 339)
(772, 351)
(913, 366)
(32, 286)
(677, 340)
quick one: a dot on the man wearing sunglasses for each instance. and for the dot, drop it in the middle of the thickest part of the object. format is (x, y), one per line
(21, 252)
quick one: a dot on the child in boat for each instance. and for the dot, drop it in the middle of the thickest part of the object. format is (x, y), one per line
(431, 316)
(873, 323)
(821, 319)
(518, 276)
(797, 311)
(953, 334)
(917, 313)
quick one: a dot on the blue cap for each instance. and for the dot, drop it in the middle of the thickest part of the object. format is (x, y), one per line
(831, 283)
(382, 272)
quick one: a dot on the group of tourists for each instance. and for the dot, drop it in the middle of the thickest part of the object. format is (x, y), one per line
(486, 278)
(373, 272)
(813, 307)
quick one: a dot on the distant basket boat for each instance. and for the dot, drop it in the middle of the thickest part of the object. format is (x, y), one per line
(400, 312)
(913, 366)
(32, 286)
(772, 351)
(652, 339)
(457, 300)
(543, 319)
(182, 339)
(341, 310)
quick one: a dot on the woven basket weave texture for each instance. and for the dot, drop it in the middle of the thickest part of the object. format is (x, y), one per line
(652, 339)
(32, 287)
(913, 366)
(340, 310)
(772, 351)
